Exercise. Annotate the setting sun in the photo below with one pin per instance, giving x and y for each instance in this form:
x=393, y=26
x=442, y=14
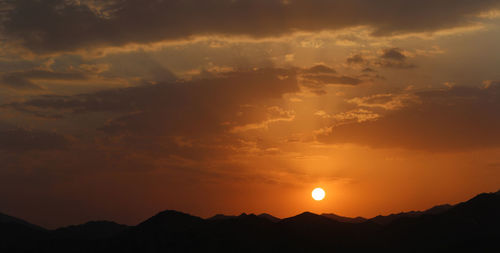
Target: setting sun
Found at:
x=318, y=194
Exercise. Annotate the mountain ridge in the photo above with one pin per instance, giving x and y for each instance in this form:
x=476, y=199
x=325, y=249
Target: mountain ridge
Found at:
x=471, y=225
x=4, y=218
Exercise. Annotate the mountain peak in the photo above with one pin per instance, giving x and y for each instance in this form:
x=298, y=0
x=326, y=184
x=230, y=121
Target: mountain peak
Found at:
x=221, y=217
x=307, y=213
x=4, y=218
x=344, y=219
x=171, y=219
x=269, y=217
x=307, y=217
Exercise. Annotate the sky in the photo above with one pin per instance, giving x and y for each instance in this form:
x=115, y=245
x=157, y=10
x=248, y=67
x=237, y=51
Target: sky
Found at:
x=116, y=110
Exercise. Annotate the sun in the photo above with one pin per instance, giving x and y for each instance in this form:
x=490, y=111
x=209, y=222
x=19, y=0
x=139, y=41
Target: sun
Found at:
x=318, y=194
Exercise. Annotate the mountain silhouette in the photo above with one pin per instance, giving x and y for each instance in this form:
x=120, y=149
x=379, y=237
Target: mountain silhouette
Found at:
x=380, y=219
x=222, y=217
x=344, y=219
x=13, y=220
x=226, y=217
x=90, y=231
x=269, y=217
x=471, y=226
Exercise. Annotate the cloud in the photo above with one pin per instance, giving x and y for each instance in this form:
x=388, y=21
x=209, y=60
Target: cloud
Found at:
x=319, y=69
x=24, y=79
x=17, y=82
x=317, y=77
x=61, y=25
x=193, y=108
x=460, y=118
x=187, y=127
x=389, y=58
x=355, y=59
x=22, y=140
x=357, y=115
x=274, y=114
x=386, y=101
x=394, y=58
x=333, y=79
x=393, y=54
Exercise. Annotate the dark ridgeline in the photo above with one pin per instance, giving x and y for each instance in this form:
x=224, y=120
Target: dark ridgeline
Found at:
x=344, y=219
x=472, y=226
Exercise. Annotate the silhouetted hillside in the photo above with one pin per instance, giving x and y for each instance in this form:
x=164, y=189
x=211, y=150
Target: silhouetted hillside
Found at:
x=471, y=226
x=9, y=219
x=390, y=218
x=269, y=217
x=222, y=217
x=91, y=230
x=17, y=235
x=344, y=219
x=226, y=217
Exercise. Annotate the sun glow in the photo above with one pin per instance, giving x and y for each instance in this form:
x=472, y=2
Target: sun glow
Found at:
x=318, y=194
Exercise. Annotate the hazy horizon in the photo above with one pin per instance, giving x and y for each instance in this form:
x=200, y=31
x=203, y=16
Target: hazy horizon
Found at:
x=218, y=215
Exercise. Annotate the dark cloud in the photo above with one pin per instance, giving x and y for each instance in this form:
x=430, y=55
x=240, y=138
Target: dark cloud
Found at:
x=355, y=59
x=139, y=64
x=191, y=107
x=18, y=82
x=60, y=25
x=394, y=58
x=333, y=79
x=320, y=75
x=460, y=118
x=23, y=79
x=390, y=58
x=317, y=77
x=21, y=140
x=180, y=127
x=393, y=54
x=319, y=69
x=49, y=75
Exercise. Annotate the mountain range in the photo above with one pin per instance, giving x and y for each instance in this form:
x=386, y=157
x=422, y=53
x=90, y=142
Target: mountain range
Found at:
x=472, y=226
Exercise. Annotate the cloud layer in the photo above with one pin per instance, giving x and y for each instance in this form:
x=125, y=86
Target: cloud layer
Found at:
x=60, y=25
x=22, y=140
x=460, y=118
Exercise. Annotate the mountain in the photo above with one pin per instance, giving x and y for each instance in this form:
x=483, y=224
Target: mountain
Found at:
x=168, y=222
x=380, y=219
x=438, y=209
x=344, y=219
x=90, y=231
x=383, y=220
x=269, y=217
x=470, y=226
x=9, y=219
x=14, y=233
x=309, y=219
x=227, y=217
x=222, y=217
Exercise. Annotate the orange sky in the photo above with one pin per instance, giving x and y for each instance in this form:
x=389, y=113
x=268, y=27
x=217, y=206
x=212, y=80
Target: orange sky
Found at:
x=122, y=109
